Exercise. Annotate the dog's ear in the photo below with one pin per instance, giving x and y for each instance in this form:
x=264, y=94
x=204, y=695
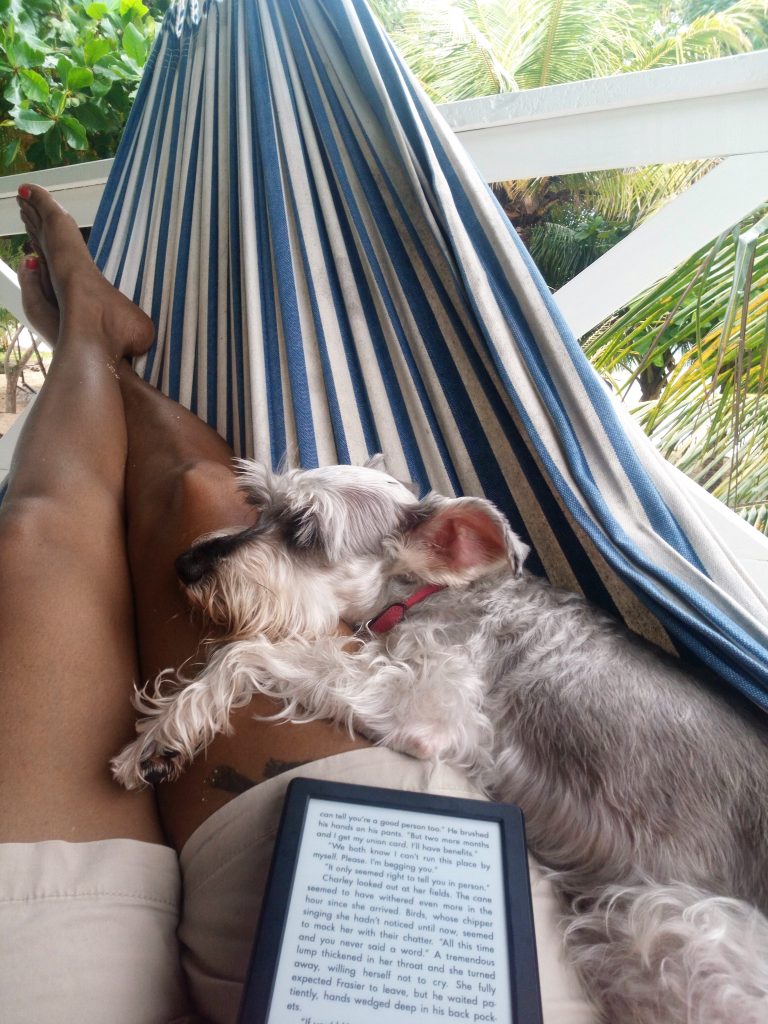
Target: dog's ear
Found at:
x=255, y=482
x=378, y=462
x=459, y=540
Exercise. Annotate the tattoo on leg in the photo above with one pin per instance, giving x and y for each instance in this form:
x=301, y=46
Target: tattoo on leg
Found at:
x=274, y=767
x=226, y=778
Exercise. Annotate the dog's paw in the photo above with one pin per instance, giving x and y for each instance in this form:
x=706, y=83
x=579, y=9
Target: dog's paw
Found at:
x=422, y=746
x=141, y=764
x=158, y=768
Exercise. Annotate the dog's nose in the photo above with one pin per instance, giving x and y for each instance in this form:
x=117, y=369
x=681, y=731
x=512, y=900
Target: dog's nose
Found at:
x=199, y=560
x=193, y=565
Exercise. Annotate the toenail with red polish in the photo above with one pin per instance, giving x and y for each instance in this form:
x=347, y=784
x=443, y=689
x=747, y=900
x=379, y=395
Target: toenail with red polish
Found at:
x=25, y=191
x=31, y=263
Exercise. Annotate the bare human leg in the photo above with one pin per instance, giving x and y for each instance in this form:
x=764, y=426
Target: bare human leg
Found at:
x=180, y=485
x=66, y=616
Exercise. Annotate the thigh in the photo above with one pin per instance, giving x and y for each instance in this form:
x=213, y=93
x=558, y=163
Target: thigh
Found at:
x=201, y=497
x=68, y=667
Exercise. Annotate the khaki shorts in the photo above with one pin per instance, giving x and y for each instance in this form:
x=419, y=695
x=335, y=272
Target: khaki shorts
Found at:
x=99, y=933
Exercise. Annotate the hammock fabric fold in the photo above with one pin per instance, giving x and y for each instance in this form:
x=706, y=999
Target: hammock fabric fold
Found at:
x=330, y=277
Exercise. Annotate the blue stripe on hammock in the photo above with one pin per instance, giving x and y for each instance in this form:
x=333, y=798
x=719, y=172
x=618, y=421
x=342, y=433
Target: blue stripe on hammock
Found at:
x=150, y=179
x=181, y=280
x=163, y=94
x=125, y=149
x=160, y=275
x=277, y=241
x=236, y=345
x=211, y=327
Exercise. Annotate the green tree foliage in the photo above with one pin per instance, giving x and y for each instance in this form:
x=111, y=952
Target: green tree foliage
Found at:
x=460, y=49
x=68, y=73
x=697, y=343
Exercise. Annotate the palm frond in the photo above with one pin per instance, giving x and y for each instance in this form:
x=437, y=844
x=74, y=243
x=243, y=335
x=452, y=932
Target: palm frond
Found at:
x=633, y=194
x=739, y=28
x=447, y=49
x=571, y=40
x=570, y=220
x=707, y=325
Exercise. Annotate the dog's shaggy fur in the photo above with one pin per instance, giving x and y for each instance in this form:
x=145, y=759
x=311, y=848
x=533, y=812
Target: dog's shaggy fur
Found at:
x=644, y=791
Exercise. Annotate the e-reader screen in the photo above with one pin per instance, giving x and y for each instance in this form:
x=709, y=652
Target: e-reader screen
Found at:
x=394, y=916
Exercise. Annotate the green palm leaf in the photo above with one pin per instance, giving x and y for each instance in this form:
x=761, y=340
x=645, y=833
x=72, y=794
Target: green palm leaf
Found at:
x=706, y=326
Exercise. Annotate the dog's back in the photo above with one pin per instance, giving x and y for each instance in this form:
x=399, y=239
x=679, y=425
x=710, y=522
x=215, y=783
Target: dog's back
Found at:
x=645, y=791
x=657, y=770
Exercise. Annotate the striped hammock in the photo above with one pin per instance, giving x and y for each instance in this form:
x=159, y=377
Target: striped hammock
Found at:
x=330, y=278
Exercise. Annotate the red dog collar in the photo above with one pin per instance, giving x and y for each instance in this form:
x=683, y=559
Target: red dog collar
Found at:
x=395, y=614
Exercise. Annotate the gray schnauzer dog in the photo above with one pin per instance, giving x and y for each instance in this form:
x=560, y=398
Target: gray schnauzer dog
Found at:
x=644, y=791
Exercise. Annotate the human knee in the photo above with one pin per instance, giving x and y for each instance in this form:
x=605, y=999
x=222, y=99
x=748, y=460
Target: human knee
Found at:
x=26, y=524
x=203, y=479
x=198, y=485
x=197, y=495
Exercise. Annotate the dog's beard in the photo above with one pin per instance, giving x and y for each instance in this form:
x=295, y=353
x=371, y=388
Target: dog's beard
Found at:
x=264, y=590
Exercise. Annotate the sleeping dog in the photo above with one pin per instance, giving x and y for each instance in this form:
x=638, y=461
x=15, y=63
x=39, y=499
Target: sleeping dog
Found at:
x=643, y=790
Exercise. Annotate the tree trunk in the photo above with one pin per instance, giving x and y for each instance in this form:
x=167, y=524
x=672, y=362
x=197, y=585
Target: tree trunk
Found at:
x=13, y=371
x=653, y=378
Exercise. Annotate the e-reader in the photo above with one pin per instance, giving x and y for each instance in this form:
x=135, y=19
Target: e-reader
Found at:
x=390, y=907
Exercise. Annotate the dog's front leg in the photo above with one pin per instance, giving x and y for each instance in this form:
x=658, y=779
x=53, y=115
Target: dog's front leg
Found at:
x=430, y=708
x=178, y=725
x=423, y=701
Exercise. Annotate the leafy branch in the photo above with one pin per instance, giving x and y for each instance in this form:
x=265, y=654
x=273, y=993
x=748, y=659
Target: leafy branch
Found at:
x=68, y=75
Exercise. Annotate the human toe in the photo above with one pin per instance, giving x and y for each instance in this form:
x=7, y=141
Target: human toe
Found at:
x=41, y=314
x=38, y=200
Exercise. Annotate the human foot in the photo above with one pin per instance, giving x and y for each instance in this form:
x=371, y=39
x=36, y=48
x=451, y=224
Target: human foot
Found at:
x=89, y=306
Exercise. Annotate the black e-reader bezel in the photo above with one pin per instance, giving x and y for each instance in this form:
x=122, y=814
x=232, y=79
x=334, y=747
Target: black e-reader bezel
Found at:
x=523, y=964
